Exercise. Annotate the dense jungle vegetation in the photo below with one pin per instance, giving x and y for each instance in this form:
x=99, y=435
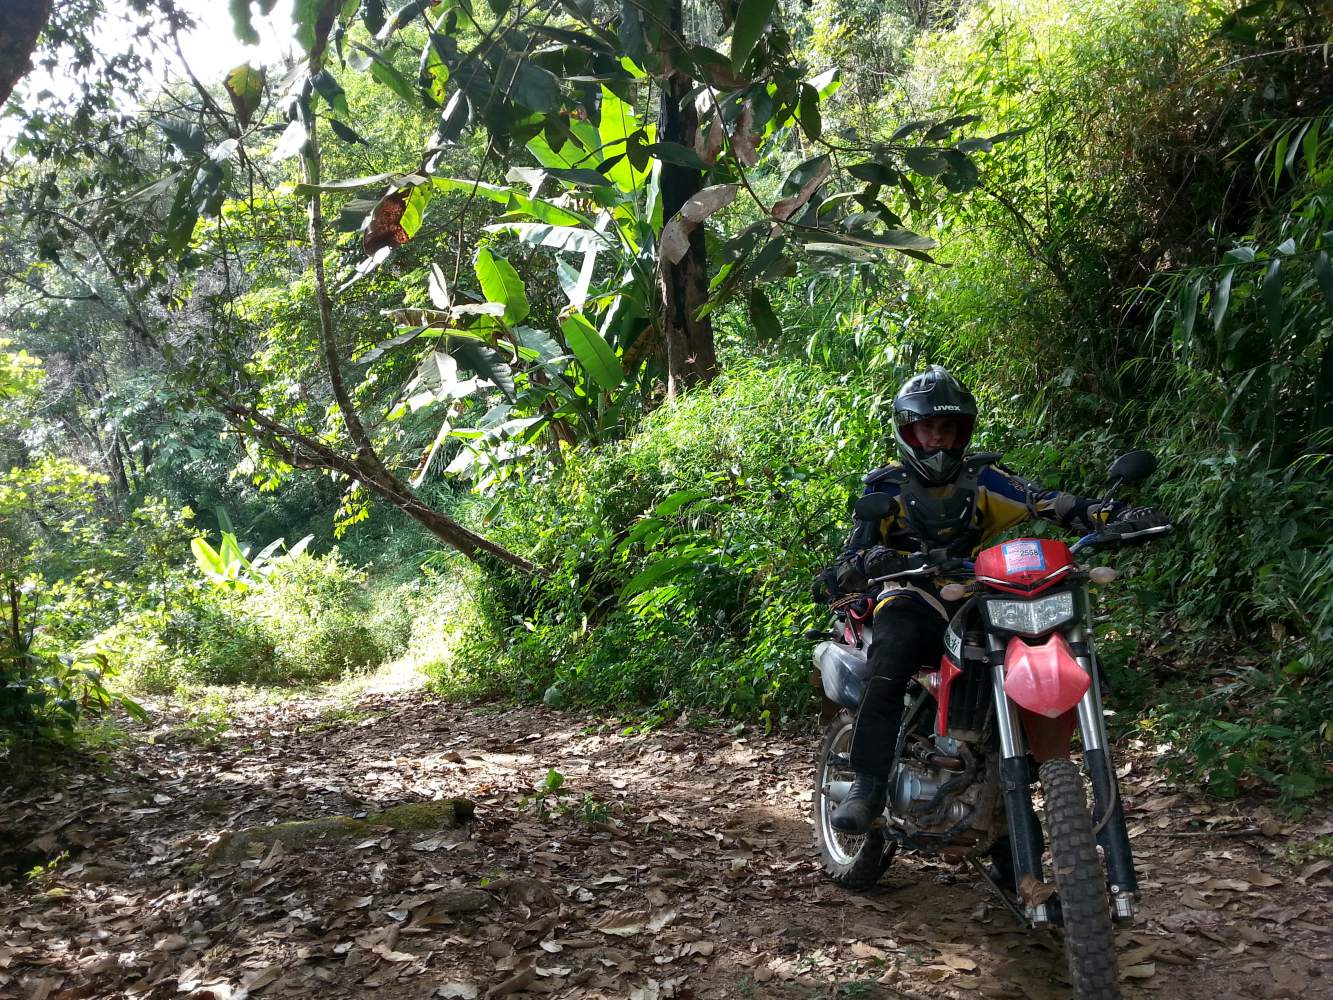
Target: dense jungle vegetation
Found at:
x=542, y=346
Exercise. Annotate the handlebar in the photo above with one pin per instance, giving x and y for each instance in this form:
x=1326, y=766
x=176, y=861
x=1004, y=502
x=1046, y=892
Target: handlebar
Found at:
x=931, y=568
x=1109, y=536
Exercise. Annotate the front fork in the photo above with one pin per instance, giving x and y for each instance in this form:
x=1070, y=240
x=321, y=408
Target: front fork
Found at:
x=1016, y=780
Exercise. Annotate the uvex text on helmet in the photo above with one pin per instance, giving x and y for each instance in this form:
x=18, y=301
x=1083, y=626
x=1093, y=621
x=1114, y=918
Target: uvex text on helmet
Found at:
x=933, y=393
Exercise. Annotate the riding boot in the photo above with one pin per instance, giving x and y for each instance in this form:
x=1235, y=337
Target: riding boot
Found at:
x=863, y=804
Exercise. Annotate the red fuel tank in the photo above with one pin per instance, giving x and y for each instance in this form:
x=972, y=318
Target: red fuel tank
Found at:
x=1025, y=565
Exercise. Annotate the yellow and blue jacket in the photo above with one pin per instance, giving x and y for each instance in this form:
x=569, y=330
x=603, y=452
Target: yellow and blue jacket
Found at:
x=984, y=500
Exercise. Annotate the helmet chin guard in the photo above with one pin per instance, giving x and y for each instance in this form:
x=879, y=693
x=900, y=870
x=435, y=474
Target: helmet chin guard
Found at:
x=933, y=393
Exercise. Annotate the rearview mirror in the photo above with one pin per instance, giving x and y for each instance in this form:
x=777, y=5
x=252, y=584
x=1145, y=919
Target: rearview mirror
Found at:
x=875, y=506
x=1133, y=466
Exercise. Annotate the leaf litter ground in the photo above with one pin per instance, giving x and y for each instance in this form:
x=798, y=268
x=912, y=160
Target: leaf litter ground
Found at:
x=675, y=863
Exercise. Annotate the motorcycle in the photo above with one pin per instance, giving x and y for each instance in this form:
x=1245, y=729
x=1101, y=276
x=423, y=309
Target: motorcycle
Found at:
x=1018, y=676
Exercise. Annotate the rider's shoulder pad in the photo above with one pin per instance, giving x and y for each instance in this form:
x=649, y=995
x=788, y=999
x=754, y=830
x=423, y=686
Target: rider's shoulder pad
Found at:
x=981, y=460
x=886, y=475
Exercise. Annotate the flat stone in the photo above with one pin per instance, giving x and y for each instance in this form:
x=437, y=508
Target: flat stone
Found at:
x=238, y=845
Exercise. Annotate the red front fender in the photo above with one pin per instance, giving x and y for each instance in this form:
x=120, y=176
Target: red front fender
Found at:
x=1046, y=683
x=1045, y=678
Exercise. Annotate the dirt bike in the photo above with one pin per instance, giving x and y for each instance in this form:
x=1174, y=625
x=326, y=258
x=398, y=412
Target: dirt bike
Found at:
x=1019, y=675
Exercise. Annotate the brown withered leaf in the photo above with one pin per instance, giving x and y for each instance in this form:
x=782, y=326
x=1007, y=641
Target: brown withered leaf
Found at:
x=1034, y=891
x=622, y=923
x=516, y=983
x=1261, y=878
x=386, y=228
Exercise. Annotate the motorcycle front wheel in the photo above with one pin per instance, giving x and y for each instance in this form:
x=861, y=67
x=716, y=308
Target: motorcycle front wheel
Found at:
x=1088, y=932
x=853, y=862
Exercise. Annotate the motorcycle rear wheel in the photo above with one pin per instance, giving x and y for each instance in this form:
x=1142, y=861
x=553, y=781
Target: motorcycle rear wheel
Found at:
x=1088, y=932
x=853, y=862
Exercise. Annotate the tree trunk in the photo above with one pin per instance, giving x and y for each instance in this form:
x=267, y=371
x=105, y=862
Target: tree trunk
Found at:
x=367, y=467
x=691, y=356
x=21, y=21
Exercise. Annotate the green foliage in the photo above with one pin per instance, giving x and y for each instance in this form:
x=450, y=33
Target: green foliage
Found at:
x=318, y=614
x=683, y=555
x=307, y=619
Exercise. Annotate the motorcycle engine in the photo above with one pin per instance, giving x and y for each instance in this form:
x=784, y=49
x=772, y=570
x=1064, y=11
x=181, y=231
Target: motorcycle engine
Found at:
x=938, y=793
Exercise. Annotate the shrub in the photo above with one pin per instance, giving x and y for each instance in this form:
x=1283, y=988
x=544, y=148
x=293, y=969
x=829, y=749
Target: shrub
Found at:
x=318, y=615
x=681, y=557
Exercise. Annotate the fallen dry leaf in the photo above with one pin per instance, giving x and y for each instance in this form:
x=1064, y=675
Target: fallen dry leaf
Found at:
x=1261, y=878
x=622, y=923
x=960, y=962
x=1033, y=891
x=516, y=983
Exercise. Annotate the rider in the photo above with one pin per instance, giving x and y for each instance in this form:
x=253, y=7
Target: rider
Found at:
x=949, y=504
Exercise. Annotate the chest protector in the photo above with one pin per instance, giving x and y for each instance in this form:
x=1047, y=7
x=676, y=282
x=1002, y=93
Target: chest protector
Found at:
x=946, y=522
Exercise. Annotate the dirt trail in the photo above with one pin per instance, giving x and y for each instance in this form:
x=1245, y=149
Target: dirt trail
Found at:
x=671, y=864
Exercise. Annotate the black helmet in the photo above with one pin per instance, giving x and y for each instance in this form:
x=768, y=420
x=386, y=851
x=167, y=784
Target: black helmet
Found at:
x=933, y=393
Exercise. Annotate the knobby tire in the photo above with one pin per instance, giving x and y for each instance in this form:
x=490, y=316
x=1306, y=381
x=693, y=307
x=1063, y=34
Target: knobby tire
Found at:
x=862, y=871
x=1081, y=885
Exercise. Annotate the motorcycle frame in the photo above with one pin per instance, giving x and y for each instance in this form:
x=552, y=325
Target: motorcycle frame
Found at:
x=1016, y=776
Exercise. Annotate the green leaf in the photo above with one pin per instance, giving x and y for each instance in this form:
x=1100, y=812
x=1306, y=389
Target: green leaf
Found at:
x=210, y=562
x=485, y=361
x=245, y=87
x=188, y=139
x=1279, y=158
x=400, y=17
x=346, y=133
x=540, y=343
x=311, y=22
x=385, y=346
x=501, y=283
x=674, y=152
x=950, y=125
x=927, y=162
x=659, y=571
x=530, y=85
x=292, y=141
x=1272, y=296
x=618, y=123
x=913, y=126
x=593, y=352
x=182, y=216
x=388, y=75
x=874, y=173
x=327, y=86
x=811, y=122
x=1323, y=274
x=241, y=23
x=556, y=237
x=1189, y=307
x=826, y=84
x=678, y=500
x=372, y=15
x=1222, y=298
x=491, y=192
x=751, y=18
x=767, y=326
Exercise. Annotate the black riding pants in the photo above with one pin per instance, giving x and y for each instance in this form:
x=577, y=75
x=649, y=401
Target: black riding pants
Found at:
x=906, y=634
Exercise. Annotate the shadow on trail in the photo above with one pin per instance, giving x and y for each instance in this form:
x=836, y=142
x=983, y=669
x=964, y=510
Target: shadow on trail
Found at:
x=674, y=863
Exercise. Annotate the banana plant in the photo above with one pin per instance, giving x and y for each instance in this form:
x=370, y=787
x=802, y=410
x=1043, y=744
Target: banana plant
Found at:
x=231, y=567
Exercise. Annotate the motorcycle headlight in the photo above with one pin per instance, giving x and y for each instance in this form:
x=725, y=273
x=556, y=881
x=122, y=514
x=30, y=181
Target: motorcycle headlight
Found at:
x=1031, y=617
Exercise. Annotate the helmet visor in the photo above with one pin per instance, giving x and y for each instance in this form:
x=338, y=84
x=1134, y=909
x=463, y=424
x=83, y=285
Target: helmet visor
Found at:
x=946, y=433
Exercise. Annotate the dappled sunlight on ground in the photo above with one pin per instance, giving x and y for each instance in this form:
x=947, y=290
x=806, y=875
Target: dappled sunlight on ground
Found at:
x=601, y=863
